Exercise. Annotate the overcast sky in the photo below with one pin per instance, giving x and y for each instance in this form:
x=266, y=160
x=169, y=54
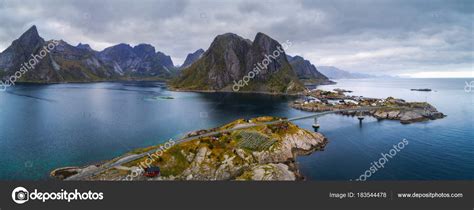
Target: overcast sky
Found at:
x=406, y=38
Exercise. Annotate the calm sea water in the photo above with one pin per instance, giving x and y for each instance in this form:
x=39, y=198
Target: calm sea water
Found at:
x=43, y=127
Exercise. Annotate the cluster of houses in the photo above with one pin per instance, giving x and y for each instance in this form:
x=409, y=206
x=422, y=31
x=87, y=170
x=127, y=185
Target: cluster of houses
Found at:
x=338, y=98
x=311, y=99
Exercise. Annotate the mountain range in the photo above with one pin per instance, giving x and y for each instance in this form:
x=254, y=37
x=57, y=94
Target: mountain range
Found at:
x=227, y=61
x=67, y=63
x=307, y=72
x=138, y=61
x=230, y=58
x=336, y=73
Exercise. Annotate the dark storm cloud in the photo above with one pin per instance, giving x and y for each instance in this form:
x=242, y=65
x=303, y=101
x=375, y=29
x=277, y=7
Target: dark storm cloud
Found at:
x=389, y=37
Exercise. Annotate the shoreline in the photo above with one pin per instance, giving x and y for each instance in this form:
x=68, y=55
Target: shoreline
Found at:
x=249, y=92
x=237, y=92
x=278, y=162
x=286, y=165
x=169, y=87
x=86, y=82
x=389, y=108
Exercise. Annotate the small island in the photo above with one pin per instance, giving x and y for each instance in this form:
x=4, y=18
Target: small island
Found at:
x=166, y=97
x=263, y=148
x=342, y=90
x=421, y=89
x=389, y=108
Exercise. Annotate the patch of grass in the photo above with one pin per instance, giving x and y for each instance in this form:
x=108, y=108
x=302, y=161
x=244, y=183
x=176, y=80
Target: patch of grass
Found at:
x=255, y=141
x=173, y=162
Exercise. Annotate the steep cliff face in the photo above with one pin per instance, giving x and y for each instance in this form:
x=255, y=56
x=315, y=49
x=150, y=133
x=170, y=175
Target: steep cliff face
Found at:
x=66, y=63
x=258, y=66
x=138, y=61
x=191, y=58
x=51, y=61
x=307, y=72
x=230, y=58
x=20, y=50
x=221, y=64
x=57, y=61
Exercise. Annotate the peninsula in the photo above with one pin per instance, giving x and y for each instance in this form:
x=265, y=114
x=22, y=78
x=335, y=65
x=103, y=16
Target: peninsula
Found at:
x=389, y=108
x=262, y=148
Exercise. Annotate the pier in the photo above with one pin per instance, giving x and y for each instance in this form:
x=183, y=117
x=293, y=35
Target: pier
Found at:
x=316, y=125
x=360, y=116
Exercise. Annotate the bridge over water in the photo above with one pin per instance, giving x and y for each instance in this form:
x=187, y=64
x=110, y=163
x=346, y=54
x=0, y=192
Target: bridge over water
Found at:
x=131, y=158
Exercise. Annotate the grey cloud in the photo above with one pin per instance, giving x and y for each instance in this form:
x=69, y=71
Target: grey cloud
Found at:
x=367, y=36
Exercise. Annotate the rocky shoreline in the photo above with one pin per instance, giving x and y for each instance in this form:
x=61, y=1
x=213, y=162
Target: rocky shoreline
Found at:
x=266, y=151
x=240, y=92
x=389, y=108
x=263, y=148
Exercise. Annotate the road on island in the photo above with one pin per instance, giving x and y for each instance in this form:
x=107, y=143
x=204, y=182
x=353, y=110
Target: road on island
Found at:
x=130, y=158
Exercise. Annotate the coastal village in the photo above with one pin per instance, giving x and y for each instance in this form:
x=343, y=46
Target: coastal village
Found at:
x=389, y=108
x=263, y=148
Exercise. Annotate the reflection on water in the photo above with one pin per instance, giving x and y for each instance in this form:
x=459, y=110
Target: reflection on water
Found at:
x=43, y=127
x=437, y=150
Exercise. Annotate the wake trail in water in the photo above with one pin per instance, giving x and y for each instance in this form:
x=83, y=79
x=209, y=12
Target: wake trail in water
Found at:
x=30, y=96
x=113, y=89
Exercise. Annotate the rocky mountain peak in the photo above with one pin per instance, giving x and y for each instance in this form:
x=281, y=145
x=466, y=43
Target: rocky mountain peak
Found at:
x=29, y=41
x=164, y=59
x=261, y=37
x=122, y=46
x=30, y=34
x=228, y=40
x=118, y=52
x=231, y=57
x=307, y=72
x=227, y=36
x=265, y=43
x=197, y=52
x=143, y=50
x=192, y=57
x=20, y=49
x=81, y=63
x=84, y=47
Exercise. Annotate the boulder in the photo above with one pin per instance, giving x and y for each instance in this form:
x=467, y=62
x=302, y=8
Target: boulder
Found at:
x=411, y=116
x=393, y=114
x=269, y=172
x=380, y=114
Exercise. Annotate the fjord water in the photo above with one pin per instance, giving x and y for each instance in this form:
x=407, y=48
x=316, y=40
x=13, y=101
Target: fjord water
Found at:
x=437, y=150
x=43, y=127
